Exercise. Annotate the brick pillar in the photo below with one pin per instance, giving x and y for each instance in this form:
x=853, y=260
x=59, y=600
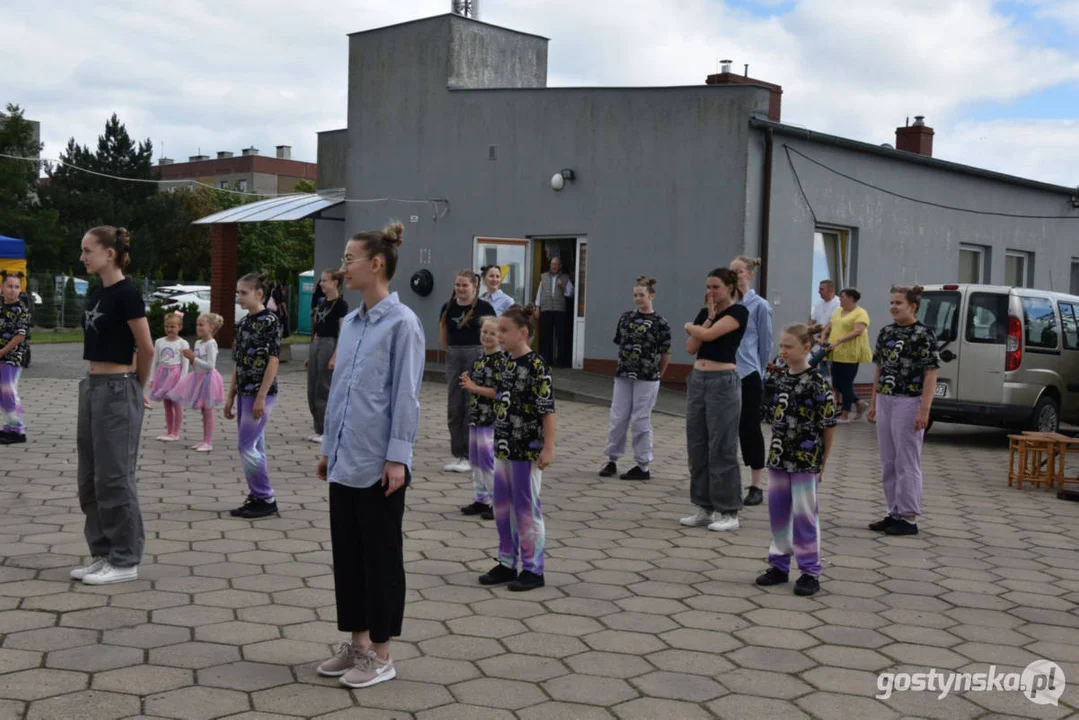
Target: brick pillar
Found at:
x=224, y=242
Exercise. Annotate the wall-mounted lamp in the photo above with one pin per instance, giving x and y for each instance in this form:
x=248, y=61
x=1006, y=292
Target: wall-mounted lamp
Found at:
x=558, y=180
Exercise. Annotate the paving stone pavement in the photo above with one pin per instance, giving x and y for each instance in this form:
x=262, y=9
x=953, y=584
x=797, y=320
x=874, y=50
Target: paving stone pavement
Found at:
x=641, y=618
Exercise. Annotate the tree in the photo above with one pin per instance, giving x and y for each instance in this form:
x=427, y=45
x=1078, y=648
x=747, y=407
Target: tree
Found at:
x=72, y=313
x=45, y=315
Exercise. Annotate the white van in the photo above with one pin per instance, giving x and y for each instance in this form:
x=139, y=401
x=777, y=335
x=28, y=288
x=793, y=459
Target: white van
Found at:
x=1009, y=356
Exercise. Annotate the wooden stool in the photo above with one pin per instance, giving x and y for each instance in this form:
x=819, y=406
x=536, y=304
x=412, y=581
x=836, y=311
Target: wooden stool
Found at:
x=1062, y=447
x=1027, y=453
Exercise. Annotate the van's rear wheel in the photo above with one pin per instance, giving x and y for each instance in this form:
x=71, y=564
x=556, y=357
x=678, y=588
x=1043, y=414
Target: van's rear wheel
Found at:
x=1046, y=415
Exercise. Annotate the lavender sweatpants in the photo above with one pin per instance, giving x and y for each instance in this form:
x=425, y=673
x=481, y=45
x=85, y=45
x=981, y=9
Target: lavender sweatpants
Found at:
x=518, y=515
x=792, y=512
x=631, y=408
x=900, y=453
x=252, y=446
x=481, y=456
x=10, y=407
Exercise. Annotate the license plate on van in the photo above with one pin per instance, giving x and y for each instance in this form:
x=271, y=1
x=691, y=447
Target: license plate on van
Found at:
x=941, y=390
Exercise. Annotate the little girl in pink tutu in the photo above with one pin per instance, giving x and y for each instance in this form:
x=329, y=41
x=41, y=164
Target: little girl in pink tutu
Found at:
x=168, y=369
x=202, y=389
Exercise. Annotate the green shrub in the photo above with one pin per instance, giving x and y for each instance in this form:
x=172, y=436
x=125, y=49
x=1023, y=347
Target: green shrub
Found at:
x=45, y=314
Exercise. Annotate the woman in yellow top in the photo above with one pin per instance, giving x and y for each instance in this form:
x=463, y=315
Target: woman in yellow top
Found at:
x=848, y=344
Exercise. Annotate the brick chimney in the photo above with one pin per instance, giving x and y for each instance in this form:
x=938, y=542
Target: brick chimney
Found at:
x=726, y=77
x=916, y=138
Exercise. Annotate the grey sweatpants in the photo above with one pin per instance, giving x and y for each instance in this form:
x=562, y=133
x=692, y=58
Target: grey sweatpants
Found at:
x=319, y=376
x=459, y=359
x=713, y=406
x=109, y=427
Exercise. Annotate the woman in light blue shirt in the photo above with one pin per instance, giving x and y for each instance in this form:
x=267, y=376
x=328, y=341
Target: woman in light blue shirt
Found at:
x=492, y=280
x=372, y=419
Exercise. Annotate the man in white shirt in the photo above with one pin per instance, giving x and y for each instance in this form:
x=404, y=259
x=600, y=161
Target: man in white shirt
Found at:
x=821, y=315
x=555, y=287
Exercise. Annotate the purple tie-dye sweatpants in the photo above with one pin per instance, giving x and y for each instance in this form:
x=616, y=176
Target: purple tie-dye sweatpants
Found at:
x=10, y=407
x=252, y=446
x=518, y=515
x=792, y=511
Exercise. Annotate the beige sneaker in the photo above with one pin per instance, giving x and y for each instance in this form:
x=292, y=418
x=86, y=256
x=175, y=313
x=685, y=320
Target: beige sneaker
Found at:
x=342, y=662
x=368, y=671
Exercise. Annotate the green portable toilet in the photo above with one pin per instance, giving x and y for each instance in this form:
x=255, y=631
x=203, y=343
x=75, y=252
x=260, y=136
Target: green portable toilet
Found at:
x=307, y=291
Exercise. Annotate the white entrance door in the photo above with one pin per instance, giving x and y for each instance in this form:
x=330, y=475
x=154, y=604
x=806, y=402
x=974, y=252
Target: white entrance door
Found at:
x=578, y=306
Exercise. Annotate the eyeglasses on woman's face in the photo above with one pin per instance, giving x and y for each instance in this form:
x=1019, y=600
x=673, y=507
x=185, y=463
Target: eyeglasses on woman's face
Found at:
x=348, y=260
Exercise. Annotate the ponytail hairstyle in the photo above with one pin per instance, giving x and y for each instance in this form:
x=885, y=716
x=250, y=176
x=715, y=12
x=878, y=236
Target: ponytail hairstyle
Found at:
x=384, y=244
x=337, y=276
x=913, y=295
x=800, y=331
x=475, y=280
x=523, y=317
x=752, y=264
x=729, y=278
x=116, y=239
x=215, y=320
x=648, y=284
x=259, y=282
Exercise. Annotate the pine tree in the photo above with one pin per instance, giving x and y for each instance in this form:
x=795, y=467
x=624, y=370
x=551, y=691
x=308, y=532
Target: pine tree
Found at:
x=45, y=315
x=72, y=312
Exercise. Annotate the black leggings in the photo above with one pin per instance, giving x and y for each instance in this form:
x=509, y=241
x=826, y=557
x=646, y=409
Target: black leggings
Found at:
x=368, y=559
x=843, y=375
x=750, y=435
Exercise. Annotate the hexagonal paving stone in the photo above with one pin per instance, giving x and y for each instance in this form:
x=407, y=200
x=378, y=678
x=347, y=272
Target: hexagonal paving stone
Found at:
x=232, y=599
x=142, y=680
x=494, y=692
x=12, y=660
x=848, y=657
x=620, y=641
x=322, y=632
x=836, y=705
x=530, y=668
x=245, y=676
x=85, y=705
x=461, y=647
x=53, y=638
x=613, y=665
x=679, y=686
x=405, y=695
x=40, y=683
x=147, y=636
x=150, y=600
x=194, y=655
x=776, y=638
x=690, y=661
x=106, y=618
x=276, y=614
x=286, y=652
x=304, y=701
x=764, y=684
x=652, y=708
x=545, y=644
x=776, y=659
x=13, y=621
x=460, y=711
x=196, y=703
x=93, y=658
x=738, y=707
x=590, y=690
x=236, y=633
x=842, y=680
x=564, y=711
x=700, y=640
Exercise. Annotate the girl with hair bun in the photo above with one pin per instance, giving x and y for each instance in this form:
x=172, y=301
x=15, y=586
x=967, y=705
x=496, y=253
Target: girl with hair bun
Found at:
x=372, y=421
x=203, y=389
x=322, y=359
x=254, y=382
x=111, y=408
x=643, y=338
x=906, y=377
x=14, y=327
x=168, y=371
x=524, y=447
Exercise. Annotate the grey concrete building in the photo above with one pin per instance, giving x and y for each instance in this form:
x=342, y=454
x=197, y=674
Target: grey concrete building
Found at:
x=662, y=181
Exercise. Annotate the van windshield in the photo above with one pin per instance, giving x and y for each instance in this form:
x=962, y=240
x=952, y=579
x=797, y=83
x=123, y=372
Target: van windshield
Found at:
x=939, y=311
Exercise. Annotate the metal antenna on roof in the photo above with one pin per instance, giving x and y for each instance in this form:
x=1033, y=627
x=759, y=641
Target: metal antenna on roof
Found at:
x=466, y=8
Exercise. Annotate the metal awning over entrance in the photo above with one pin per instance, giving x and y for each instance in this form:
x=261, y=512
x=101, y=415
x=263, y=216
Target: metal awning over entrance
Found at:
x=278, y=209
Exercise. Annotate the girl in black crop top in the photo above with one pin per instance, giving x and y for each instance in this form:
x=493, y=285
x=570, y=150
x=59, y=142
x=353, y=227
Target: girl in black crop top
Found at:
x=718, y=328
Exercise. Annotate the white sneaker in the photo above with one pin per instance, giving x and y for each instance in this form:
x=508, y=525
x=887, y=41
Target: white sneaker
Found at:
x=108, y=575
x=724, y=524
x=702, y=518
x=80, y=573
x=316, y=439
x=460, y=465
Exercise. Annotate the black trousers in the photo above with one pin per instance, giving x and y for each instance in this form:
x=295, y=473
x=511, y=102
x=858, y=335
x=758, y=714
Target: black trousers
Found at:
x=553, y=337
x=750, y=435
x=368, y=559
x=843, y=375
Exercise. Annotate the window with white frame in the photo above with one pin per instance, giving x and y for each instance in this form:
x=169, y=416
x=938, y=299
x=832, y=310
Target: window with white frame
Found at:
x=973, y=264
x=243, y=184
x=223, y=184
x=831, y=260
x=1018, y=268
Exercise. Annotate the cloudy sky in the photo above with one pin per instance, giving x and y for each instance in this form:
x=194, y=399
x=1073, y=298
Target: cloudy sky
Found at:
x=998, y=80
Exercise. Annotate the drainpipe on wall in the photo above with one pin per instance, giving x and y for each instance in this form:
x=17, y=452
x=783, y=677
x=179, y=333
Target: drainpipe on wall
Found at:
x=766, y=210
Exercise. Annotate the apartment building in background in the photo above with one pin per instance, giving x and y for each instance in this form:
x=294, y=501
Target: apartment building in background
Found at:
x=248, y=171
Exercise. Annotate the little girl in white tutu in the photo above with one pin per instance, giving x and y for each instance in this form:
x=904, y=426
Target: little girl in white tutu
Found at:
x=169, y=367
x=202, y=389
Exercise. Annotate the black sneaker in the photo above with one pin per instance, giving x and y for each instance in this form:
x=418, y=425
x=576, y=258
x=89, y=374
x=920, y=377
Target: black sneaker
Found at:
x=258, y=509
x=806, y=585
x=754, y=496
x=608, y=470
x=474, y=509
x=498, y=575
x=901, y=527
x=882, y=525
x=526, y=581
x=488, y=514
x=772, y=576
x=636, y=474
x=237, y=512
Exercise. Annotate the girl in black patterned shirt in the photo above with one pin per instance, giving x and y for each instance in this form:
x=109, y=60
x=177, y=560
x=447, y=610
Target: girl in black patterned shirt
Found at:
x=480, y=383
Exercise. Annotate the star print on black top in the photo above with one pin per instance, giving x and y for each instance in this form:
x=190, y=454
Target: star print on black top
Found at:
x=481, y=412
x=257, y=340
x=14, y=320
x=107, y=337
x=643, y=339
x=905, y=354
x=800, y=407
x=525, y=395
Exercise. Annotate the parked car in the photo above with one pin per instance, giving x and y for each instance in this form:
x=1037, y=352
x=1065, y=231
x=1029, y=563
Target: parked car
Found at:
x=1009, y=356
x=184, y=294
